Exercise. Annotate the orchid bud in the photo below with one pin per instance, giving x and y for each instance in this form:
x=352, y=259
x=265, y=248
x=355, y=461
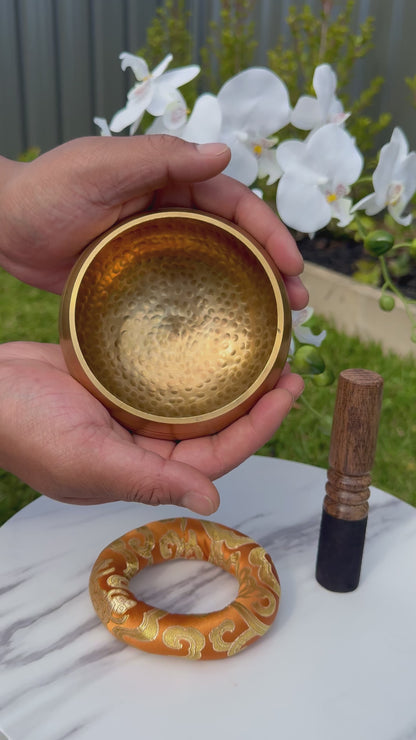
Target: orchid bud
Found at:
x=308, y=361
x=378, y=242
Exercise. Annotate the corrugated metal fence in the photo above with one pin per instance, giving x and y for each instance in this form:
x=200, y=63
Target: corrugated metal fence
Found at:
x=59, y=60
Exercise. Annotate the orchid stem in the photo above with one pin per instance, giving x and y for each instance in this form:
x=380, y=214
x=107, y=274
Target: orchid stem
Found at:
x=407, y=302
x=309, y=407
x=402, y=244
x=365, y=178
x=360, y=227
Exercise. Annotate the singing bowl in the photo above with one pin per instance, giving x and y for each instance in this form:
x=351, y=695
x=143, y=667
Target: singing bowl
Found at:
x=177, y=321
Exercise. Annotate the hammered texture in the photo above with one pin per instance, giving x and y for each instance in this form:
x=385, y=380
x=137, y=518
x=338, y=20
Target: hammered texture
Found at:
x=176, y=319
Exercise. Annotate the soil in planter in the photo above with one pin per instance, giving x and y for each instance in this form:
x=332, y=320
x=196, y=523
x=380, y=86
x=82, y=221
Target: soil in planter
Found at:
x=342, y=255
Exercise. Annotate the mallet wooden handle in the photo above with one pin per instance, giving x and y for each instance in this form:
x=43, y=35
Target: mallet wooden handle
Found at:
x=351, y=457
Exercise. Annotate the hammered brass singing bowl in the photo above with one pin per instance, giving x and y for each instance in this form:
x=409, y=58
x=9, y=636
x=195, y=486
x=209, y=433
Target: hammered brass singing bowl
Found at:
x=177, y=321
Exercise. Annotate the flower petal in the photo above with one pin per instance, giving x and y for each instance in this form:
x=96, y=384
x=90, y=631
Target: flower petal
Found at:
x=128, y=115
x=341, y=210
x=103, y=126
x=175, y=115
x=268, y=166
x=159, y=70
x=396, y=213
x=304, y=335
x=383, y=174
x=370, y=204
x=161, y=97
x=300, y=204
x=302, y=316
x=332, y=151
x=324, y=83
x=137, y=64
x=181, y=75
x=307, y=113
x=257, y=192
x=204, y=123
x=134, y=126
x=400, y=140
x=255, y=101
x=290, y=153
x=336, y=112
x=158, y=127
x=243, y=165
x=406, y=174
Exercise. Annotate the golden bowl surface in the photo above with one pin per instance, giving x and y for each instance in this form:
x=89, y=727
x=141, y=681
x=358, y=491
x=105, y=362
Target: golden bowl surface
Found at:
x=177, y=321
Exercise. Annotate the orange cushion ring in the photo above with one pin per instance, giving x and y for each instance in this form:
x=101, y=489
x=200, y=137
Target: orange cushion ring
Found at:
x=217, y=634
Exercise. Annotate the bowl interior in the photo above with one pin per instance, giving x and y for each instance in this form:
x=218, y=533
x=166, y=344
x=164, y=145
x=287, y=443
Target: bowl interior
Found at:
x=176, y=317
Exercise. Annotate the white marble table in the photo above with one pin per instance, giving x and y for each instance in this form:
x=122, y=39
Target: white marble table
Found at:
x=332, y=667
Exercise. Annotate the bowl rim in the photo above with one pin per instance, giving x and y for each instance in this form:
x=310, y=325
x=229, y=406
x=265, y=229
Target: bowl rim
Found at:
x=73, y=353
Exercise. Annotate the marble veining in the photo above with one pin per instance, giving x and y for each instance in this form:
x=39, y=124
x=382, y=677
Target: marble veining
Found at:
x=333, y=666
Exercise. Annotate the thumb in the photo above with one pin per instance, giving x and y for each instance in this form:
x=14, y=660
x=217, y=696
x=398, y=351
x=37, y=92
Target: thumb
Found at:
x=126, y=168
x=125, y=472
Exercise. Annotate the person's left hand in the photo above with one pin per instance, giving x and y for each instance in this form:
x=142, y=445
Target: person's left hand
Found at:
x=59, y=439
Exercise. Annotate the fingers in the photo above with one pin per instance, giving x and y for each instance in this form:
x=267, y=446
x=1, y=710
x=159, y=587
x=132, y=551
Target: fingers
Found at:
x=298, y=294
x=232, y=200
x=120, y=169
x=8, y=168
x=130, y=172
x=61, y=441
x=222, y=452
x=125, y=472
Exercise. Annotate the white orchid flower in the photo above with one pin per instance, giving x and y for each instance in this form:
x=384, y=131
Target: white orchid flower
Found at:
x=176, y=112
x=312, y=113
x=103, y=126
x=254, y=105
x=204, y=123
x=317, y=177
x=173, y=119
x=154, y=91
x=394, y=180
x=302, y=333
x=202, y=127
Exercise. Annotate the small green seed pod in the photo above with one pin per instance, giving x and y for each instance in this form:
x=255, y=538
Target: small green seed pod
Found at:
x=387, y=302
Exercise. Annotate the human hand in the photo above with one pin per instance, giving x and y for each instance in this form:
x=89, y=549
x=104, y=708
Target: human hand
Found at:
x=51, y=208
x=59, y=439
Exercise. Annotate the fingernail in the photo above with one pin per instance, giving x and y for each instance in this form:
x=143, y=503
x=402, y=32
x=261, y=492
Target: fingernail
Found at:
x=212, y=150
x=199, y=504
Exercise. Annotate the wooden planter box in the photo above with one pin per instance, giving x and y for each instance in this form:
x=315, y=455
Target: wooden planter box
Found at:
x=353, y=308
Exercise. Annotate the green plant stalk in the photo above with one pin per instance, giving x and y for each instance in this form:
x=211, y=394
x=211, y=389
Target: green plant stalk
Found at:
x=324, y=37
x=388, y=282
x=407, y=302
x=310, y=408
x=361, y=229
x=400, y=245
x=231, y=44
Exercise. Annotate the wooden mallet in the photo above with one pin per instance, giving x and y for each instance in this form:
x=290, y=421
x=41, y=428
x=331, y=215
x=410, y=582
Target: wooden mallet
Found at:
x=351, y=457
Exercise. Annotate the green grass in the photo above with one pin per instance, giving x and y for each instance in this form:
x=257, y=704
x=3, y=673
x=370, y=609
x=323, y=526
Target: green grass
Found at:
x=305, y=438
x=30, y=314
x=25, y=314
